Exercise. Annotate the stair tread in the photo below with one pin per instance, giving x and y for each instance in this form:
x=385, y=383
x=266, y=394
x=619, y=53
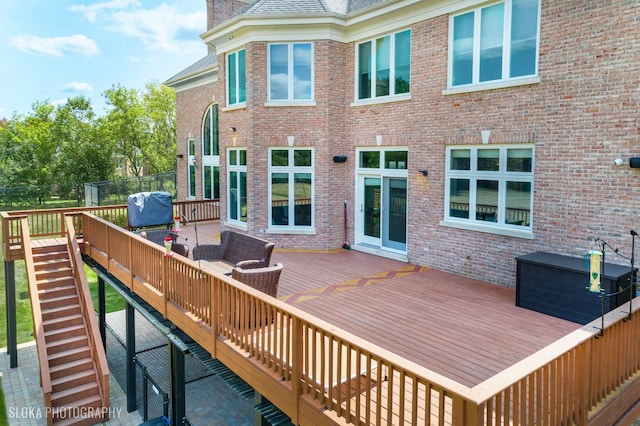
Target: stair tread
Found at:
x=67, y=340
x=77, y=390
x=70, y=365
x=64, y=330
x=62, y=320
x=72, y=351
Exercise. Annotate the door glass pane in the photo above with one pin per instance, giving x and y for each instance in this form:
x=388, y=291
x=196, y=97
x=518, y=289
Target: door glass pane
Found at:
x=397, y=210
x=462, y=66
x=487, y=200
x=243, y=196
x=518, y=203
x=233, y=157
x=279, y=198
x=491, y=32
x=488, y=160
x=279, y=78
x=302, y=202
x=524, y=37
x=372, y=207
x=233, y=195
x=364, y=71
x=459, y=198
x=383, y=66
x=242, y=161
x=302, y=71
x=402, y=62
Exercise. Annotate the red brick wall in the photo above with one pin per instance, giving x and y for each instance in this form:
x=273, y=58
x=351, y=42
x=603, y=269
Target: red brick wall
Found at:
x=582, y=115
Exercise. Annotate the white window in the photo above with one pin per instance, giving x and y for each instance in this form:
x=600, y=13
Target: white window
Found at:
x=236, y=78
x=191, y=177
x=291, y=187
x=384, y=66
x=498, y=42
x=210, y=154
x=290, y=70
x=490, y=185
x=237, y=185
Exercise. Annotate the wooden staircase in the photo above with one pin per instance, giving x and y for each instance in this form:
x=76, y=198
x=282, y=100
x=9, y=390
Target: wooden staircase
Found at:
x=78, y=390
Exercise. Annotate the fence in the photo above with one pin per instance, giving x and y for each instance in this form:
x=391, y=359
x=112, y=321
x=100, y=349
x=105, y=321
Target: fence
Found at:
x=116, y=191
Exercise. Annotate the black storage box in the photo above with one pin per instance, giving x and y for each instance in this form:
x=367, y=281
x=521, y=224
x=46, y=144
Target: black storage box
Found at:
x=558, y=285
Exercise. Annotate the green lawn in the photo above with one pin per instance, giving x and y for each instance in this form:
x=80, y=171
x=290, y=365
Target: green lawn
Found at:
x=24, y=321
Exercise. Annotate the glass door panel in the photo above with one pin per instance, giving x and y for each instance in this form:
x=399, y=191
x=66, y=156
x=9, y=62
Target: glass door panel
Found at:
x=371, y=208
x=394, y=219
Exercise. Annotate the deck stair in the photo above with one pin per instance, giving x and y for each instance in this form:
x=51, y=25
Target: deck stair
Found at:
x=76, y=396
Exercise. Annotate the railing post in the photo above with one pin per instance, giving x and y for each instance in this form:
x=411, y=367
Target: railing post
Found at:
x=10, y=300
x=130, y=338
x=297, y=342
x=102, y=318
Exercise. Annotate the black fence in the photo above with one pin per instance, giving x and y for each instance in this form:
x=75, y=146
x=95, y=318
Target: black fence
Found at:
x=112, y=192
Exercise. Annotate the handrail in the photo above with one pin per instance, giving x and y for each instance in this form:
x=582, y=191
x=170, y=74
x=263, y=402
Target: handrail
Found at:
x=38, y=326
x=50, y=222
x=86, y=305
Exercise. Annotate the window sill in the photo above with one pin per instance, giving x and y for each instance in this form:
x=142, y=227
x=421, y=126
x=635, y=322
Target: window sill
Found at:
x=489, y=229
x=236, y=225
x=291, y=231
x=382, y=100
x=290, y=104
x=491, y=86
x=241, y=105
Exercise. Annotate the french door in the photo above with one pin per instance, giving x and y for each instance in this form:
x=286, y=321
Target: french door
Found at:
x=382, y=214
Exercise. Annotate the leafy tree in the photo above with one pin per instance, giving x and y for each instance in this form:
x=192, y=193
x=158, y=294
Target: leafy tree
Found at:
x=142, y=126
x=82, y=155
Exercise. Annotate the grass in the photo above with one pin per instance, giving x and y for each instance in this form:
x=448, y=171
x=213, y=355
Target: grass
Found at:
x=24, y=321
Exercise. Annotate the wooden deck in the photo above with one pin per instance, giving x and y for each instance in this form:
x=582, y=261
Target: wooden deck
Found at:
x=464, y=329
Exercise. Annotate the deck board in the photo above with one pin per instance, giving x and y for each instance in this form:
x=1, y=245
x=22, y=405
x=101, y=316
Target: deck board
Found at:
x=464, y=329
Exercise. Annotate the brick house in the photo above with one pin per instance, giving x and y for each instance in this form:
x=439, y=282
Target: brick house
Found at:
x=455, y=134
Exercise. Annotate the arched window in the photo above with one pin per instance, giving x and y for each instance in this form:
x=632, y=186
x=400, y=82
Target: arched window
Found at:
x=210, y=154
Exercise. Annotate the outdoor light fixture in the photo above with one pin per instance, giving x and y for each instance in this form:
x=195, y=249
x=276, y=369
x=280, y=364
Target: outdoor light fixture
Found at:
x=194, y=161
x=233, y=128
x=339, y=158
x=618, y=161
x=179, y=155
x=424, y=172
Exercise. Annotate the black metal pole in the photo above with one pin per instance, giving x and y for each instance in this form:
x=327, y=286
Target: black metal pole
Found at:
x=130, y=338
x=10, y=300
x=632, y=276
x=602, y=292
x=102, y=316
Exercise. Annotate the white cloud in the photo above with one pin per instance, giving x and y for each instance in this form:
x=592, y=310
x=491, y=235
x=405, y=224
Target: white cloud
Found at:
x=76, y=86
x=91, y=12
x=55, y=46
x=160, y=28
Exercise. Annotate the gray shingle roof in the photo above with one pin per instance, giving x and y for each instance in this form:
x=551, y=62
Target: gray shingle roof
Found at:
x=202, y=64
x=342, y=7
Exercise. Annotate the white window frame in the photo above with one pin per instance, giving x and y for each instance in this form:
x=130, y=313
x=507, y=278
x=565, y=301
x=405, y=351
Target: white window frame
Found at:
x=505, y=81
x=191, y=168
x=392, y=96
x=237, y=76
x=238, y=168
x=292, y=170
x=290, y=77
x=502, y=176
x=211, y=161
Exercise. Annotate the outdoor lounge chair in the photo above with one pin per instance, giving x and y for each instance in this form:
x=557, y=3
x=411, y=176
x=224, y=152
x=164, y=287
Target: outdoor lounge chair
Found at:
x=253, y=274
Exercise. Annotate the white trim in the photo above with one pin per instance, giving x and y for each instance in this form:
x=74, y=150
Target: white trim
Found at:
x=381, y=100
x=492, y=85
x=294, y=103
x=237, y=225
x=498, y=230
x=241, y=105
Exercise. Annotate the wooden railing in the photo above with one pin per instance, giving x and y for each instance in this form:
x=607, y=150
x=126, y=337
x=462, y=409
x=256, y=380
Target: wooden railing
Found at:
x=303, y=364
x=38, y=326
x=51, y=223
x=86, y=304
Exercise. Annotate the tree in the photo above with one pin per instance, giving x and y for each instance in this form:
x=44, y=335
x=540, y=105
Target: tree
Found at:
x=82, y=155
x=142, y=127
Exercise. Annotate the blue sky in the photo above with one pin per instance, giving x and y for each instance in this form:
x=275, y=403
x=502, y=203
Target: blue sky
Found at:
x=51, y=50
